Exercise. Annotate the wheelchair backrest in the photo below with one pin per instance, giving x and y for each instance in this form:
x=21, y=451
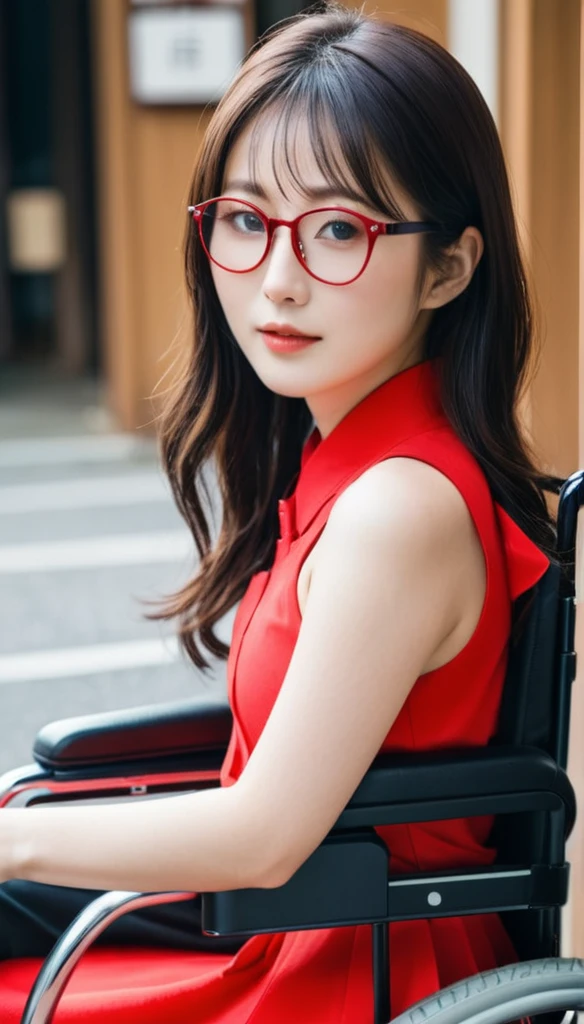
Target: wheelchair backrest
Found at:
x=529, y=706
x=535, y=710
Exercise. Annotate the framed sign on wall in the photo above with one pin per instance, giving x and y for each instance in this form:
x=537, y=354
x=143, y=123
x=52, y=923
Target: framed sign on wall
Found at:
x=184, y=54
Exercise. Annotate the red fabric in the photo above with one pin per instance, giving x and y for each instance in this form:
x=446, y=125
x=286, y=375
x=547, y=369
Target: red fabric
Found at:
x=324, y=977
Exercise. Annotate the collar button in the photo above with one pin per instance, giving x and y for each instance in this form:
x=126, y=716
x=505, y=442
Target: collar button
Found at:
x=286, y=517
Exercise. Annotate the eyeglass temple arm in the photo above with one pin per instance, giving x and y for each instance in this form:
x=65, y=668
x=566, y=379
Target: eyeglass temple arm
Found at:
x=410, y=227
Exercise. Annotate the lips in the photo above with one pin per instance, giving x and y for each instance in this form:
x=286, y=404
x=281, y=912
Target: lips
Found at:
x=287, y=331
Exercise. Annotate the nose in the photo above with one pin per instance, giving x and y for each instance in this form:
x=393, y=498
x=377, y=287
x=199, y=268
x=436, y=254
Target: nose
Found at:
x=284, y=277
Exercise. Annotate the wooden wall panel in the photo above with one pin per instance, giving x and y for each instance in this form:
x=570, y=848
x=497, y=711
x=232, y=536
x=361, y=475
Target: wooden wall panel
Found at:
x=555, y=228
x=116, y=201
x=428, y=16
x=6, y=341
x=581, y=265
x=165, y=151
x=540, y=128
x=574, y=929
x=145, y=160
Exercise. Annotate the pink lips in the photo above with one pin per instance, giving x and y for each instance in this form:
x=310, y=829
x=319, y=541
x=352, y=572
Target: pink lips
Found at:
x=286, y=343
x=285, y=329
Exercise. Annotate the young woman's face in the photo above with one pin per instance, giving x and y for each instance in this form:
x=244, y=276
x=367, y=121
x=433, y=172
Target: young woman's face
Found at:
x=368, y=330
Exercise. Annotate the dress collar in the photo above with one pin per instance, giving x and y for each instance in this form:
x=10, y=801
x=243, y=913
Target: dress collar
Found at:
x=406, y=404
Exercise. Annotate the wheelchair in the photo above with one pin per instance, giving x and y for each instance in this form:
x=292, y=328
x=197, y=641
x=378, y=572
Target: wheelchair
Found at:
x=519, y=778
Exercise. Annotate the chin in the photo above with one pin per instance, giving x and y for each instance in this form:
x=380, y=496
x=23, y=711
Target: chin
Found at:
x=284, y=380
x=284, y=388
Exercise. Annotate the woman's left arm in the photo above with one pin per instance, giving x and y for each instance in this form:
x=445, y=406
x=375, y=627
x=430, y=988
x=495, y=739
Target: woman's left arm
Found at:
x=391, y=582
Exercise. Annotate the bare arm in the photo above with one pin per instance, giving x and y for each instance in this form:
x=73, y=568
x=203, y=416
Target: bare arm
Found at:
x=396, y=576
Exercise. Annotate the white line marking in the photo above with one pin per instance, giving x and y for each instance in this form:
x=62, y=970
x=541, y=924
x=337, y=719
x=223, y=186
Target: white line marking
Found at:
x=85, y=661
x=87, y=493
x=61, y=450
x=92, y=552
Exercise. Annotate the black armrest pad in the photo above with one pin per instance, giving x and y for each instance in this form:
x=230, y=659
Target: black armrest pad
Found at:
x=153, y=732
x=397, y=788
x=406, y=787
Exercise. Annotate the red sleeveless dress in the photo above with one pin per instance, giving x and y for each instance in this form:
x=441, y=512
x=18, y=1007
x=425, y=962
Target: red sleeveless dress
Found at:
x=324, y=976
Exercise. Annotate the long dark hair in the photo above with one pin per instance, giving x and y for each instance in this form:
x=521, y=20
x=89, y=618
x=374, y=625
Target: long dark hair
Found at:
x=398, y=102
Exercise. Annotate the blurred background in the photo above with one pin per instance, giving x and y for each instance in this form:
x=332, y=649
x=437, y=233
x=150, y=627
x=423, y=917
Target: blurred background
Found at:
x=103, y=104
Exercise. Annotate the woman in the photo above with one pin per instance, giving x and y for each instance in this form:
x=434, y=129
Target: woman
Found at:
x=362, y=335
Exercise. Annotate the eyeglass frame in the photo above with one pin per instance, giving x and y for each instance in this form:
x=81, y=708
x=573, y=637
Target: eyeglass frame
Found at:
x=375, y=228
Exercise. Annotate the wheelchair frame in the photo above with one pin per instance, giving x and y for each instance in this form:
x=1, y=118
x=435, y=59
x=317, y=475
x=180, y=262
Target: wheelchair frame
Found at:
x=346, y=881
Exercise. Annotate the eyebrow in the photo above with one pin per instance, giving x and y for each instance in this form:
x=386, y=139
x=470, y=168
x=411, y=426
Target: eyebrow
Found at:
x=320, y=192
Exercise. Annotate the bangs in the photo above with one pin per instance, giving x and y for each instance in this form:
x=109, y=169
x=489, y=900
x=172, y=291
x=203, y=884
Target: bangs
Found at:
x=320, y=102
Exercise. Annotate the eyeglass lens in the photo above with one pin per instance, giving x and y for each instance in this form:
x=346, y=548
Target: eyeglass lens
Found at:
x=334, y=245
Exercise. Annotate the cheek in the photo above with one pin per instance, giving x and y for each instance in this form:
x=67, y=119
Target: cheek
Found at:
x=224, y=283
x=394, y=266
x=233, y=294
x=386, y=291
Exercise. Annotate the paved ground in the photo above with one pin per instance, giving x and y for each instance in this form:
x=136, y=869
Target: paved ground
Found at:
x=87, y=532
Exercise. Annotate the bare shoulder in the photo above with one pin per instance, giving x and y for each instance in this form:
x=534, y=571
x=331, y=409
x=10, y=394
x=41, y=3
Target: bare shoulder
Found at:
x=404, y=495
x=407, y=515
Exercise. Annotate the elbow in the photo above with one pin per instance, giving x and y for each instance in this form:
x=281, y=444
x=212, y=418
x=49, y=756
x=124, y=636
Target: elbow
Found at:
x=272, y=867
x=273, y=879
x=253, y=866
x=283, y=864
x=267, y=849
x=275, y=876
x=277, y=862
x=278, y=869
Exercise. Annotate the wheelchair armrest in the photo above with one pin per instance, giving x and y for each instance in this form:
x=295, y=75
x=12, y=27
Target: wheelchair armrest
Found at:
x=406, y=788
x=430, y=786
x=152, y=733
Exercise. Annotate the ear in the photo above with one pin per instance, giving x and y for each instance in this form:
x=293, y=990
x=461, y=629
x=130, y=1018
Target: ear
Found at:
x=460, y=262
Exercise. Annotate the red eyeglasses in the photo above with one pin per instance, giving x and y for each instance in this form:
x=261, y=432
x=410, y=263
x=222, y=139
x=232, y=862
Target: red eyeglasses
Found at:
x=332, y=243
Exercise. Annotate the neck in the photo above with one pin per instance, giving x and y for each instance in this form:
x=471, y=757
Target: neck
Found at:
x=331, y=406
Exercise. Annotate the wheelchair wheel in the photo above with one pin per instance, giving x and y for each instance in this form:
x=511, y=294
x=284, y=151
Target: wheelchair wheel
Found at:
x=505, y=994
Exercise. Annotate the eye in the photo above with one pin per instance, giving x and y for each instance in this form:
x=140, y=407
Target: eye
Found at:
x=236, y=216
x=340, y=230
x=245, y=222
x=326, y=227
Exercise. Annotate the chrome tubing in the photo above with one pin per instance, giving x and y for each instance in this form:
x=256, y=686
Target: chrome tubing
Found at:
x=81, y=933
